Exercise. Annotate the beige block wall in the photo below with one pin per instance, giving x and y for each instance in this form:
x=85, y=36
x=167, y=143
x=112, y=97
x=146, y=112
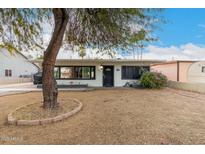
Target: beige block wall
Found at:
x=194, y=87
x=169, y=70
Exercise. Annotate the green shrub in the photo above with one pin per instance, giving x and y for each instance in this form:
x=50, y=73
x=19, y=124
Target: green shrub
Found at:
x=153, y=80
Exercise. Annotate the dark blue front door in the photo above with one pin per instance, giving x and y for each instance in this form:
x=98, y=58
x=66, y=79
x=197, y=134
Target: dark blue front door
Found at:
x=108, y=76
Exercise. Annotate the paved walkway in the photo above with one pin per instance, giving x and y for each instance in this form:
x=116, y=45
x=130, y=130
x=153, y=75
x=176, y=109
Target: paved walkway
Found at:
x=18, y=85
x=27, y=87
x=17, y=88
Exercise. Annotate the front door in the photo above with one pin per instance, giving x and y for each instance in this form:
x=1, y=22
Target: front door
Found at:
x=108, y=76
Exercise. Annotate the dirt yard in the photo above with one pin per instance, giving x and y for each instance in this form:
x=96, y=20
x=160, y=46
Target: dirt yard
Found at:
x=114, y=116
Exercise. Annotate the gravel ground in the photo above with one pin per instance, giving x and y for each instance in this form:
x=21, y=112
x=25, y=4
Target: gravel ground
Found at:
x=114, y=116
x=35, y=111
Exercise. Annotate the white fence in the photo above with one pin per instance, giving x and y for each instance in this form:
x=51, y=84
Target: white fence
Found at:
x=12, y=80
x=195, y=87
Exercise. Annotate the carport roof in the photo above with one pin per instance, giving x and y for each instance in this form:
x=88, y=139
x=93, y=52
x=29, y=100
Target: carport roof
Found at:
x=173, y=61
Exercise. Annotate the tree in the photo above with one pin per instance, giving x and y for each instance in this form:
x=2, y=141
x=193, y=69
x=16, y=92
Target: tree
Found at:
x=137, y=42
x=104, y=29
x=82, y=52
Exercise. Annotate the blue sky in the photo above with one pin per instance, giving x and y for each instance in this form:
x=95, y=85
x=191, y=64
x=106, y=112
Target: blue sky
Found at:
x=183, y=26
x=181, y=38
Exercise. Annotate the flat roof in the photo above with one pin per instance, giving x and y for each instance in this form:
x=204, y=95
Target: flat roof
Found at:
x=103, y=60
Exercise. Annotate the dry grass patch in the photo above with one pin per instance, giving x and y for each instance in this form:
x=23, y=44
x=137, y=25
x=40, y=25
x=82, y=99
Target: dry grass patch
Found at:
x=114, y=116
x=36, y=112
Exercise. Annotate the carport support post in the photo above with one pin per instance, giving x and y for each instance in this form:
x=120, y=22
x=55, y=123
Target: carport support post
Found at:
x=177, y=71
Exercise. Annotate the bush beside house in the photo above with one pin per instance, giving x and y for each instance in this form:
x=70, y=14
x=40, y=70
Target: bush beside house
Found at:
x=153, y=80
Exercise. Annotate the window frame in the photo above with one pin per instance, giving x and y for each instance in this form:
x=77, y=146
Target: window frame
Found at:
x=122, y=78
x=74, y=67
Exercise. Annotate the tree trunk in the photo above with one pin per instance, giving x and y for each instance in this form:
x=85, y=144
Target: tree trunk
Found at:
x=50, y=90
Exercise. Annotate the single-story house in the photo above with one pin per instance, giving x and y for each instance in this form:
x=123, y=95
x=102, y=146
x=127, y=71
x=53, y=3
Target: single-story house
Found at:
x=15, y=65
x=100, y=72
x=182, y=71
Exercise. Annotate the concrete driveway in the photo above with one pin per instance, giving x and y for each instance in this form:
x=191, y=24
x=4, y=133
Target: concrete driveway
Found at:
x=17, y=88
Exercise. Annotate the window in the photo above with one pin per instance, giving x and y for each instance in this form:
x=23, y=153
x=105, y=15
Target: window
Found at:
x=57, y=72
x=203, y=69
x=85, y=72
x=75, y=72
x=92, y=72
x=67, y=72
x=133, y=72
x=8, y=73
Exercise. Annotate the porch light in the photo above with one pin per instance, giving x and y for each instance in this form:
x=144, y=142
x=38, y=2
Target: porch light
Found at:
x=101, y=67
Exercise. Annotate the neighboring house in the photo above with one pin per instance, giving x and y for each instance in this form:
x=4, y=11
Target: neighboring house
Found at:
x=182, y=71
x=14, y=66
x=196, y=72
x=100, y=72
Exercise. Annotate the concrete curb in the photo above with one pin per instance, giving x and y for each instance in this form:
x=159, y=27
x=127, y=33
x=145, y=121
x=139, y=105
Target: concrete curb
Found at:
x=13, y=93
x=13, y=121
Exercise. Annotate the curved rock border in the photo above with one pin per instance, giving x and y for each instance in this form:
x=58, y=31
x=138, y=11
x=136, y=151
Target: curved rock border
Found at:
x=14, y=121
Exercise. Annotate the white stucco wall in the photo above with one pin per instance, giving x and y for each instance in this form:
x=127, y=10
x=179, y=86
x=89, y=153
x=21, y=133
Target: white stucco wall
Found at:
x=195, y=74
x=15, y=62
x=98, y=82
